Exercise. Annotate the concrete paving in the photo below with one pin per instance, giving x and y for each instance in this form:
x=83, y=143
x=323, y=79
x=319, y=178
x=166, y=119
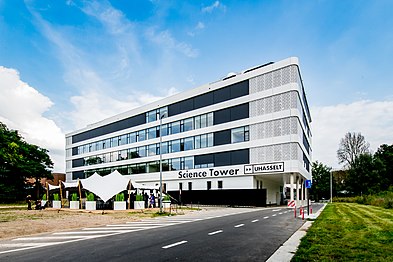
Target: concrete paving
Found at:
x=288, y=249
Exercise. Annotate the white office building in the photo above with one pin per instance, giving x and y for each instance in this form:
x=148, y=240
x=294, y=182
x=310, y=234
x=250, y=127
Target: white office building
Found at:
x=242, y=140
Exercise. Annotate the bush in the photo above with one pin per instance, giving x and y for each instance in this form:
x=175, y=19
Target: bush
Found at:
x=89, y=197
x=74, y=197
x=44, y=197
x=139, y=197
x=56, y=197
x=120, y=197
x=166, y=198
x=383, y=199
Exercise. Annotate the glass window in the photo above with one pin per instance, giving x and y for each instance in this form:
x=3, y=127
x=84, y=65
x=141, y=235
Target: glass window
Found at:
x=142, y=151
x=210, y=140
x=197, y=142
x=141, y=135
x=197, y=122
x=164, y=130
x=203, y=141
x=152, y=132
x=209, y=185
x=141, y=168
x=151, y=116
x=188, y=143
x=175, y=164
x=153, y=167
x=190, y=186
x=219, y=184
x=203, y=121
x=175, y=127
x=122, y=155
x=133, y=137
x=123, y=140
x=188, y=124
x=189, y=162
x=210, y=119
x=132, y=153
x=237, y=135
x=175, y=146
x=163, y=112
x=152, y=150
x=164, y=146
x=165, y=165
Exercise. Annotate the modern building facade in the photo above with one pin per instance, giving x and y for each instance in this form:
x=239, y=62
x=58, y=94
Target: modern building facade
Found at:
x=249, y=132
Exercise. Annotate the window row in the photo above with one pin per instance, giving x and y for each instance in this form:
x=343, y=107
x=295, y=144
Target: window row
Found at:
x=188, y=124
x=178, y=145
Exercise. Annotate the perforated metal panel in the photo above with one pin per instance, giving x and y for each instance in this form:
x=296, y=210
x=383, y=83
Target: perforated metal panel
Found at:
x=274, y=79
x=274, y=128
x=274, y=103
x=280, y=152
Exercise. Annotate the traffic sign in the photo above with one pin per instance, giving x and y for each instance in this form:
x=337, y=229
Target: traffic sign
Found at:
x=308, y=183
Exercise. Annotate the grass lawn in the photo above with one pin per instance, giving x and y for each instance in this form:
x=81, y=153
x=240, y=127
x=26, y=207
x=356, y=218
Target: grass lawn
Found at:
x=349, y=232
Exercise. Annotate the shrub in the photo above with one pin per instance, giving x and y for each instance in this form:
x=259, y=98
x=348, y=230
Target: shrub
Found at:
x=90, y=197
x=56, y=197
x=139, y=197
x=74, y=197
x=120, y=197
x=166, y=198
x=44, y=197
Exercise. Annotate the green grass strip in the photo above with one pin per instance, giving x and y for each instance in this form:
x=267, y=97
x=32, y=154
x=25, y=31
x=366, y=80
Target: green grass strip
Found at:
x=349, y=232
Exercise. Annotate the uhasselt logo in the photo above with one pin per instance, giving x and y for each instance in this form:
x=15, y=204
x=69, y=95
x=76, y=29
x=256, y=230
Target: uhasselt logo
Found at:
x=264, y=168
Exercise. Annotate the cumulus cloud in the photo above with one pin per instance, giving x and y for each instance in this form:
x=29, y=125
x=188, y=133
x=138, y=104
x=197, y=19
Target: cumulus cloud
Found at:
x=373, y=119
x=23, y=108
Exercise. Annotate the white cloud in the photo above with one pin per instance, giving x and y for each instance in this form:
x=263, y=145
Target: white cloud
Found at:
x=23, y=108
x=212, y=7
x=165, y=39
x=373, y=119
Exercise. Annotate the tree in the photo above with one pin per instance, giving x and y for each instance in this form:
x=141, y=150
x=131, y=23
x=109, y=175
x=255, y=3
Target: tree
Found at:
x=351, y=146
x=321, y=181
x=385, y=155
x=19, y=161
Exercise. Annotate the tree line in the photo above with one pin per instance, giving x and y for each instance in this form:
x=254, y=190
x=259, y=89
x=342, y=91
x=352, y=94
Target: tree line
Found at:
x=20, y=161
x=363, y=172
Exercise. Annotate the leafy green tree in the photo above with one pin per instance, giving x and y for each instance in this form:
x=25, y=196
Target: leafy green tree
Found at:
x=321, y=181
x=19, y=161
x=385, y=155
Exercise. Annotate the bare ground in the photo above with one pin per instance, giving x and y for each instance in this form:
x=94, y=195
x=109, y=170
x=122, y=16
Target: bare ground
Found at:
x=17, y=221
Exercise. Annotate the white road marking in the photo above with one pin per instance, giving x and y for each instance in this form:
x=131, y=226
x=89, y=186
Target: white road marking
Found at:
x=215, y=232
x=256, y=220
x=175, y=244
x=91, y=232
x=274, y=215
x=109, y=229
x=265, y=217
x=280, y=213
x=275, y=210
x=49, y=237
x=240, y=225
x=30, y=244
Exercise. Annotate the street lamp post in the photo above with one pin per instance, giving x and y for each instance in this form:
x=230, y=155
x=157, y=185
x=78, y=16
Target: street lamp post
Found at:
x=160, y=202
x=331, y=186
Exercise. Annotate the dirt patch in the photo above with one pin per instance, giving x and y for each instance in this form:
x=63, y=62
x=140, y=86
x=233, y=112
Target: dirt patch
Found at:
x=16, y=222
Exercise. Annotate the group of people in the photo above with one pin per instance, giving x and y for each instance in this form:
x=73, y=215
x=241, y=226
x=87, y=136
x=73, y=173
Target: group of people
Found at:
x=38, y=204
x=150, y=200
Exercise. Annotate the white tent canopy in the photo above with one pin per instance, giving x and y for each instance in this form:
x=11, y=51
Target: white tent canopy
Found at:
x=107, y=186
x=51, y=187
x=70, y=184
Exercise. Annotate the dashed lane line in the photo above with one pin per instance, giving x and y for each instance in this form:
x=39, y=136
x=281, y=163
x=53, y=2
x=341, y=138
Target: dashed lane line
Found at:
x=256, y=220
x=215, y=232
x=265, y=217
x=175, y=244
x=240, y=225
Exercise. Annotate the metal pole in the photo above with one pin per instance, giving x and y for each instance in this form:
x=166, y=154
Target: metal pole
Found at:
x=160, y=202
x=331, y=186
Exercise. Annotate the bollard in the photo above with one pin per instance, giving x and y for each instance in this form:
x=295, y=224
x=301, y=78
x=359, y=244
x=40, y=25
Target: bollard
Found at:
x=310, y=209
x=302, y=213
x=295, y=210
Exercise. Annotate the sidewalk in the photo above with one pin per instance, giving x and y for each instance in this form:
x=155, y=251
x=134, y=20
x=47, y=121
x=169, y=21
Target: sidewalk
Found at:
x=288, y=249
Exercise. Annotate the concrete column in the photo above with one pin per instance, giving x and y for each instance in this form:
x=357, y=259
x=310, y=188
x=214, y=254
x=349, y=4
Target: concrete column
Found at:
x=291, y=184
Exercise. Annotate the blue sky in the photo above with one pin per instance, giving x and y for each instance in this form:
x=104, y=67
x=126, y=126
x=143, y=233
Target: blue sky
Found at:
x=66, y=64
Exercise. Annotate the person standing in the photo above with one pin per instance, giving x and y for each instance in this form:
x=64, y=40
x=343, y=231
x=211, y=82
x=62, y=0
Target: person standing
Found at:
x=28, y=201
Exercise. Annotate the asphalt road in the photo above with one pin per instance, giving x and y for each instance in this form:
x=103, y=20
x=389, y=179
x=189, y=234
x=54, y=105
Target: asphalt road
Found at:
x=249, y=236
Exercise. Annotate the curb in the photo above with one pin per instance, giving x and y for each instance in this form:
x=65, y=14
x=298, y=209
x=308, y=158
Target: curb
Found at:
x=288, y=249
